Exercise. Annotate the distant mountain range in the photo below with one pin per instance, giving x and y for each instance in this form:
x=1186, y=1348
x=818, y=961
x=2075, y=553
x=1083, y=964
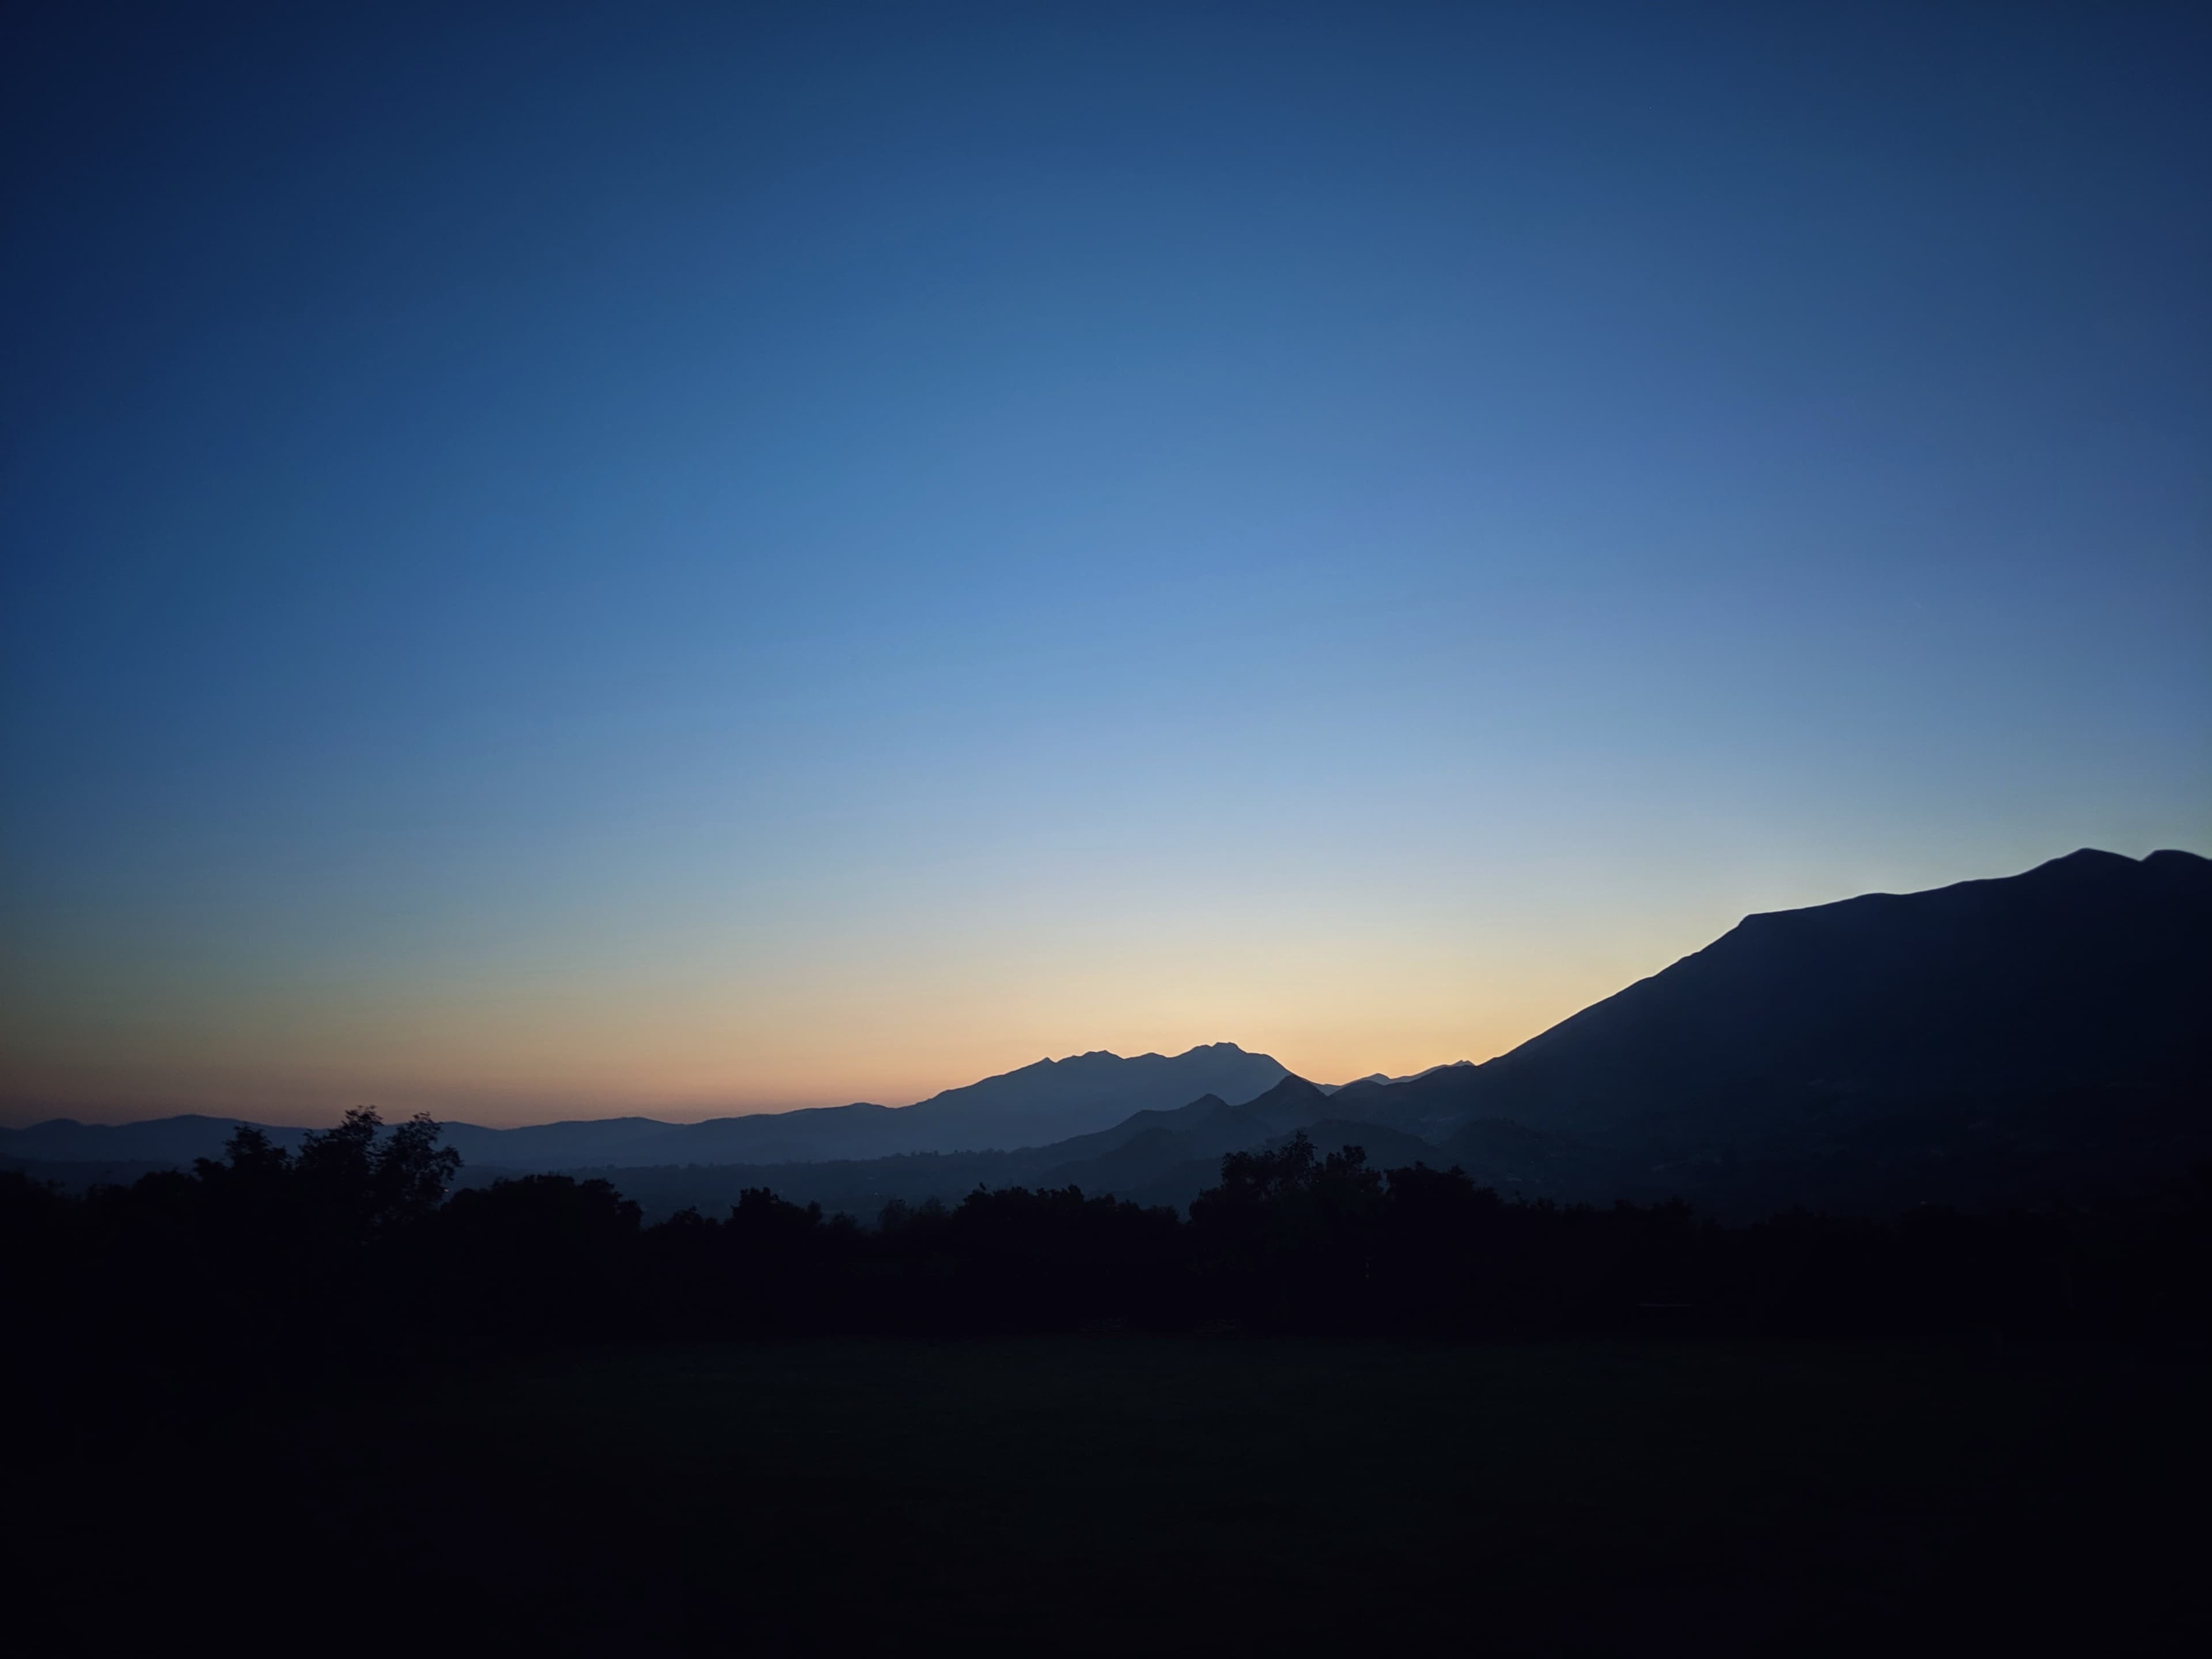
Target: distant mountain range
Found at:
x=1381, y=1076
x=1048, y=1101
x=2041, y=1036
x=1153, y=1157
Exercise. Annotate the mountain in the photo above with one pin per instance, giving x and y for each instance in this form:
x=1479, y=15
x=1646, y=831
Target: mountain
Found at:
x=1977, y=1042
x=1987, y=1043
x=168, y=1142
x=1384, y=1077
x=550, y=1146
x=1150, y=1157
x=172, y=1142
x=1050, y=1101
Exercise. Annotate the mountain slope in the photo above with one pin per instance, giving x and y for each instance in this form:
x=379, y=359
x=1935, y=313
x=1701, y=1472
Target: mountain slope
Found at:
x=1050, y=1101
x=1803, y=1032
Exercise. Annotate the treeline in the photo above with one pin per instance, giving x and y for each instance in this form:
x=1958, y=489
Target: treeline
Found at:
x=352, y=1251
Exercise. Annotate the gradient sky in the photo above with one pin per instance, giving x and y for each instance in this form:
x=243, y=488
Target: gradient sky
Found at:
x=642, y=558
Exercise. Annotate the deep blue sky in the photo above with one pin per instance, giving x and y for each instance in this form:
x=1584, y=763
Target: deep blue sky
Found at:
x=624, y=556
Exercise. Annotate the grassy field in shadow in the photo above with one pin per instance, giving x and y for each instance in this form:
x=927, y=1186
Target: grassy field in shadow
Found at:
x=1110, y=1492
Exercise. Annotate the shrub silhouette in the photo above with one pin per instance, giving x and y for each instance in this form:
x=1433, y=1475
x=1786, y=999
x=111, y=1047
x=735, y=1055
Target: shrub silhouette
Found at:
x=266, y=1264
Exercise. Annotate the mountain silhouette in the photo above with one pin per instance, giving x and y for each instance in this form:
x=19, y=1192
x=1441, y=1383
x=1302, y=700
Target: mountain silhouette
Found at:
x=1150, y=1157
x=548, y=1146
x=1993, y=1042
x=1050, y=1101
x=2092, y=969
x=2041, y=1029
x=169, y=1142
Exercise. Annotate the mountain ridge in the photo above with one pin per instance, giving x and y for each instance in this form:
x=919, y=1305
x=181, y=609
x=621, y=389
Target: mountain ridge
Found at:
x=2082, y=971
x=1046, y=1101
x=2005, y=1040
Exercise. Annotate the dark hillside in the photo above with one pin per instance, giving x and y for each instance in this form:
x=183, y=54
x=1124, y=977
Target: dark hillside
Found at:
x=1971, y=1043
x=2091, y=969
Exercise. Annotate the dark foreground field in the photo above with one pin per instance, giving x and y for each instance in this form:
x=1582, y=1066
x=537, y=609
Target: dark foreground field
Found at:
x=1135, y=1493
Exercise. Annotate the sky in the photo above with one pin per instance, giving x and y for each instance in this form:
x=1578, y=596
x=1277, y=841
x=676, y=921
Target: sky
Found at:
x=703, y=560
